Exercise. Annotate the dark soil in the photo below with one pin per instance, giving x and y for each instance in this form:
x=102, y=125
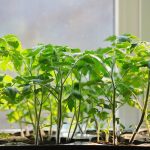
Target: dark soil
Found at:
x=142, y=139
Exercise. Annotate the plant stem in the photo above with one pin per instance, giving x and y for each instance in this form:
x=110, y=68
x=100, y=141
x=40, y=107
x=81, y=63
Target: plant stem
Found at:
x=36, y=116
x=80, y=128
x=30, y=115
x=113, y=103
x=51, y=121
x=77, y=120
x=114, y=115
x=147, y=126
x=98, y=133
x=70, y=127
x=144, y=110
x=59, y=114
x=86, y=125
x=20, y=124
x=38, y=123
x=107, y=129
x=97, y=128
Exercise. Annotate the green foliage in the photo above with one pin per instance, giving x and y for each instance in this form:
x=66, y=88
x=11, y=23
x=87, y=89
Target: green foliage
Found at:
x=61, y=81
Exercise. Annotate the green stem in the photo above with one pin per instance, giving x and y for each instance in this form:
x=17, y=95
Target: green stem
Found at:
x=30, y=115
x=147, y=124
x=70, y=126
x=77, y=120
x=86, y=125
x=97, y=128
x=113, y=103
x=38, y=130
x=38, y=124
x=51, y=119
x=98, y=134
x=36, y=116
x=80, y=128
x=144, y=110
x=59, y=114
x=20, y=125
x=108, y=127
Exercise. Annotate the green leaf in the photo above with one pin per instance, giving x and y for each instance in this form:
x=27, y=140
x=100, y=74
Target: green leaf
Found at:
x=123, y=38
x=92, y=111
x=70, y=103
x=35, y=51
x=13, y=41
x=107, y=106
x=10, y=93
x=103, y=115
x=148, y=116
x=122, y=126
x=131, y=102
x=123, y=45
x=76, y=86
x=149, y=64
x=26, y=89
x=75, y=50
x=111, y=38
x=1, y=77
x=118, y=120
x=76, y=94
x=17, y=60
x=99, y=65
x=3, y=44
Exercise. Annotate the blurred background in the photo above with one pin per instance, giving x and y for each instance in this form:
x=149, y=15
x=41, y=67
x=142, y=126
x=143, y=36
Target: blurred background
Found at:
x=77, y=23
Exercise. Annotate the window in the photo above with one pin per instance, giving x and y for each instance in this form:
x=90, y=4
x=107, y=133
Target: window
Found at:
x=132, y=17
x=77, y=23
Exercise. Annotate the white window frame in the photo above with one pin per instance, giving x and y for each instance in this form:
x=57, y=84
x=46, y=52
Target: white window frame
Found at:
x=132, y=16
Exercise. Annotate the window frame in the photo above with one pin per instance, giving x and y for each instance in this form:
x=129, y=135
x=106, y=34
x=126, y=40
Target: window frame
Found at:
x=131, y=17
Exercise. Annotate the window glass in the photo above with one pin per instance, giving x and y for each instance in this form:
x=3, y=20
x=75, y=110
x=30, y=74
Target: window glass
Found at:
x=77, y=23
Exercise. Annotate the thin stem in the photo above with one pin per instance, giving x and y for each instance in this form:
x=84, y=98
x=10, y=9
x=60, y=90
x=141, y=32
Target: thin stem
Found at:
x=38, y=120
x=97, y=129
x=147, y=123
x=48, y=88
x=113, y=103
x=20, y=124
x=144, y=109
x=30, y=115
x=86, y=125
x=80, y=128
x=77, y=115
x=77, y=120
x=51, y=119
x=36, y=115
x=70, y=126
x=59, y=113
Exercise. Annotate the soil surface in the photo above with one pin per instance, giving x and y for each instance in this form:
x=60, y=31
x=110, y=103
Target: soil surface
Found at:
x=10, y=139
